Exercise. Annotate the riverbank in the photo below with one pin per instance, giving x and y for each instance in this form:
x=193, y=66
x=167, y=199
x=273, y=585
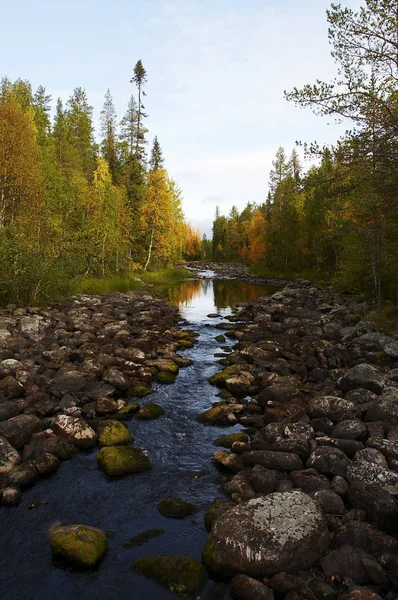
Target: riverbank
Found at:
x=65, y=368
x=313, y=487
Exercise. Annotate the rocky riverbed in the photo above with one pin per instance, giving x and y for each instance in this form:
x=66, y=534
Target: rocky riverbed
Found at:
x=313, y=483
x=71, y=372
x=309, y=474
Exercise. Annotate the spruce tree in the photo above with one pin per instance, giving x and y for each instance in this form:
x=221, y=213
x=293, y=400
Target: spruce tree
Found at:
x=109, y=135
x=140, y=79
x=156, y=161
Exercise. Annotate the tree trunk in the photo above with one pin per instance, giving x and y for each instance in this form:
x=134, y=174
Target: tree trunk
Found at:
x=150, y=248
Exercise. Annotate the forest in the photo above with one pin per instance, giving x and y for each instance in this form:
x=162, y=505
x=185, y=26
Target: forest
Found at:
x=74, y=206
x=339, y=218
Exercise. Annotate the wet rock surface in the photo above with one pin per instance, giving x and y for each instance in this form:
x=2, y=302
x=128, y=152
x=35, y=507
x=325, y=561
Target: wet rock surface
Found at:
x=321, y=411
x=69, y=369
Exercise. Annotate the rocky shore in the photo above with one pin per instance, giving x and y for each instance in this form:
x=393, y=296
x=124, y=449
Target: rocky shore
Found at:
x=313, y=476
x=71, y=372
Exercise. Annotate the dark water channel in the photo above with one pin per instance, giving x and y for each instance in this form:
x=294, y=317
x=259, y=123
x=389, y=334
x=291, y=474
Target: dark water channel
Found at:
x=180, y=450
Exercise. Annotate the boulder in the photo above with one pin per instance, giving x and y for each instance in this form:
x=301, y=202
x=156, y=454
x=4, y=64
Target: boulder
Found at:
x=122, y=460
x=328, y=460
x=76, y=430
x=378, y=504
x=267, y=535
x=115, y=378
x=386, y=409
x=10, y=389
x=371, y=474
x=11, y=496
x=19, y=430
x=181, y=575
x=175, y=508
x=362, y=376
x=106, y=405
x=24, y=475
x=80, y=545
x=150, y=411
x=46, y=463
x=247, y=588
x=113, y=433
x=283, y=461
x=356, y=564
x=334, y=408
x=350, y=429
x=9, y=457
x=329, y=502
x=228, y=440
x=68, y=382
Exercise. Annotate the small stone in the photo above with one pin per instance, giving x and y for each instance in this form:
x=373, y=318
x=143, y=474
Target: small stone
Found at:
x=181, y=575
x=175, y=508
x=46, y=463
x=11, y=496
x=329, y=461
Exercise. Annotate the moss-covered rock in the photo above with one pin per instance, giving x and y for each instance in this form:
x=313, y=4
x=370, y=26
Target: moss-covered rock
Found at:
x=121, y=460
x=219, y=415
x=216, y=510
x=228, y=440
x=129, y=409
x=150, y=411
x=182, y=575
x=113, y=433
x=165, y=377
x=183, y=344
x=221, y=339
x=143, y=537
x=224, y=394
x=175, y=508
x=80, y=545
x=220, y=378
x=140, y=389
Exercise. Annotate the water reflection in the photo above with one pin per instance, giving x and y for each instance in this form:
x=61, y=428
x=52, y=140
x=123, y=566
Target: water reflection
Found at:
x=219, y=293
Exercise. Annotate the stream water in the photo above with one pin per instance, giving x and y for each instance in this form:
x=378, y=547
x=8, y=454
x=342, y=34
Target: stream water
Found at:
x=180, y=450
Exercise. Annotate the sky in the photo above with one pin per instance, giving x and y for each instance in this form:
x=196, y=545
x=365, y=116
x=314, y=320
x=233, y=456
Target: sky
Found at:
x=217, y=70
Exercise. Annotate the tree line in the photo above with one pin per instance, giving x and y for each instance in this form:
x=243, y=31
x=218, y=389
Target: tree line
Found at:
x=341, y=216
x=73, y=205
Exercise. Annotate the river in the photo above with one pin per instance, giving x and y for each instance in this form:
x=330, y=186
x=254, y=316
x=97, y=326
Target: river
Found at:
x=180, y=450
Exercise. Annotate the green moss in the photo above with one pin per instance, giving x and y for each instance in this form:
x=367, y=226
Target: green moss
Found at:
x=224, y=394
x=212, y=414
x=182, y=344
x=81, y=545
x=165, y=377
x=210, y=555
x=180, y=574
x=113, y=433
x=220, y=339
x=220, y=378
x=140, y=389
x=143, y=537
x=121, y=460
x=150, y=411
x=228, y=440
x=215, y=510
x=129, y=409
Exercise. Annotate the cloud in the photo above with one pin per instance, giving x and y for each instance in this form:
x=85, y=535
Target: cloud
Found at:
x=213, y=200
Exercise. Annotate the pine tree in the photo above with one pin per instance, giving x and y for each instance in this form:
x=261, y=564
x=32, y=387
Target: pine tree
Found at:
x=128, y=128
x=80, y=131
x=140, y=79
x=156, y=161
x=109, y=136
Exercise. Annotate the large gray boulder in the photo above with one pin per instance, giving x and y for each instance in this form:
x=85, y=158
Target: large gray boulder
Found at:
x=362, y=376
x=386, y=409
x=279, y=532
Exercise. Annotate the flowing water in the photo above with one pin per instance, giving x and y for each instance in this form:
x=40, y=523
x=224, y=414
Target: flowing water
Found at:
x=180, y=449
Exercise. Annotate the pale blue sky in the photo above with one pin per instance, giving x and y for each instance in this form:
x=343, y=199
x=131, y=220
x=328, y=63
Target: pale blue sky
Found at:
x=216, y=74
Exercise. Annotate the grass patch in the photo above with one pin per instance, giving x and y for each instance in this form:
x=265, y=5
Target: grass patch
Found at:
x=311, y=275
x=139, y=280
x=386, y=320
